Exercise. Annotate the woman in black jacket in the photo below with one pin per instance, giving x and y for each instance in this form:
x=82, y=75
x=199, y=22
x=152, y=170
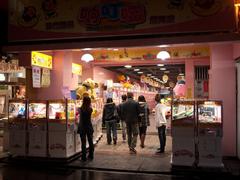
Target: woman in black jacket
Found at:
x=85, y=128
x=109, y=118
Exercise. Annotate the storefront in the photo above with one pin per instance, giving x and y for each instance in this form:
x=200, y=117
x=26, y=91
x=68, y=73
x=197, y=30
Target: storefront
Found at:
x=134, y=40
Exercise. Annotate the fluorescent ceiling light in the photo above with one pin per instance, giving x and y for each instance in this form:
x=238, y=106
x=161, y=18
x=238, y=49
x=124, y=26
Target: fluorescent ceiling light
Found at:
x=87, y=49
x=136, y=69
x=115, y=49
x=160, y=65
x=149, y=74
x=166, y=72
x=139, y=72
x=87, y=57
x=162, y=69
x=128, y=66
x=181, y=74
x=163, y=55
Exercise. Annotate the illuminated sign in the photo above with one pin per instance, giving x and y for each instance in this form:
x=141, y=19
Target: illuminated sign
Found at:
x=41, y=60
x=76, y=69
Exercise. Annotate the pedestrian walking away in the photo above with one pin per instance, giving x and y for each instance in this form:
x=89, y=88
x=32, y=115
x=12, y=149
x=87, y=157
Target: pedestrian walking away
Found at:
x=122, y=116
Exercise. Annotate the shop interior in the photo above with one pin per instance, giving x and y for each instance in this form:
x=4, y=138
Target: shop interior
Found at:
x=182, y=73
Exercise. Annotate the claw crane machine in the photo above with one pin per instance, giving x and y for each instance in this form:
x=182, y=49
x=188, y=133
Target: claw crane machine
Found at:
x=17, y=127
x=210, y=132
x=183, y=133
x=61, y=127
x=37, y=128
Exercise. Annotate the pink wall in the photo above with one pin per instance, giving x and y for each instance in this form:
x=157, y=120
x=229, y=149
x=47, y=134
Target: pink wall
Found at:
x=100, y=75
x=223, y=87
x=189, y=76
x=55, y=89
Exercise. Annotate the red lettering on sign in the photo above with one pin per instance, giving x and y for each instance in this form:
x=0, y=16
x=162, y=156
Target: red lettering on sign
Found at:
x=133, y=14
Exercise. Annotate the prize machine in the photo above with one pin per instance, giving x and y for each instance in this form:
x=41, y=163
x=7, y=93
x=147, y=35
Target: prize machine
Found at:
x=37, y=128
x=61, y=128
x=17, y=127
x=183, y=133
x=209, y=116
x=77, y=140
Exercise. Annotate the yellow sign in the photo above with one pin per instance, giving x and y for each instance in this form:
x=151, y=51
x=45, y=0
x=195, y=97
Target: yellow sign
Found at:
x=41, y=60
x=76, y=69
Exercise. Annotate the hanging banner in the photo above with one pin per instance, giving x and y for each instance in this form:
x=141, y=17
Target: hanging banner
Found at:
x=46, y=19
x=36, y=77
x=45, y=77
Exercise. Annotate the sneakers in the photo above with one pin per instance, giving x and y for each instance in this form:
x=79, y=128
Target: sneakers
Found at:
x=160, y=152
x=114, y=141
x=132, y=151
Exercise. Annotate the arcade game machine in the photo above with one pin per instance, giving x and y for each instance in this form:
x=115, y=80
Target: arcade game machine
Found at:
x=210, y=132
x=17, y=127
x=183, y=133
x=61, y=128
x=37, y=128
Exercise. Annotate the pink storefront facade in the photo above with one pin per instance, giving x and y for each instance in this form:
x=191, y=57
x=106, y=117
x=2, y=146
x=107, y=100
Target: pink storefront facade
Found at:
x=224, y=49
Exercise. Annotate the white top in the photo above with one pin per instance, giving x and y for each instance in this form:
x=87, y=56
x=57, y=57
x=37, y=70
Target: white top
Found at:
x=160, y=112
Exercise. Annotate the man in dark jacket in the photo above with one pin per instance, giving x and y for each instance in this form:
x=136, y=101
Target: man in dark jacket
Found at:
x=109, y=118
x=122, y=117
x=131, y=110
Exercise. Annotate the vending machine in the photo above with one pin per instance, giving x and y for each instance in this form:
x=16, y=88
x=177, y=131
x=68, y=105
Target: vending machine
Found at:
x=183, y=133
x=61, y=128
x=37, y=128
x=210, y=132
x=17, y=127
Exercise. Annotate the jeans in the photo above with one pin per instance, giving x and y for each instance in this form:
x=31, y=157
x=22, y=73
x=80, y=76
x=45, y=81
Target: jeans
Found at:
x=90, y=142
x=123, y=123
x=132, y=133
x=111, y=129
x=162, y=137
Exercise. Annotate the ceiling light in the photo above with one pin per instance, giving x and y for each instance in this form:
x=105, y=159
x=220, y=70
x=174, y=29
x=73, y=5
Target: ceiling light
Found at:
x=87, y=57
x=164, y=45
x=136, y=69
x=152, y=76
x=139, y=72
x=162, y=69
x=160, y=65
x=181, y=74
x=166, y=72
x=149, y=74
x=115, y=49
x=128, y=66
x=87, y=49
x=163, y=55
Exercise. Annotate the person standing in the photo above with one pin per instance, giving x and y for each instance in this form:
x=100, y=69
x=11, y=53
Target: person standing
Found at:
x=109, y=118
x=144, y=119
x=122, y=117
x=85, y=128
x=161, y=122
x=131, y=110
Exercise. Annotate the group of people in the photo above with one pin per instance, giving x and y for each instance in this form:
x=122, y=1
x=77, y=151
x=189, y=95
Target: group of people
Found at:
x=134, y=118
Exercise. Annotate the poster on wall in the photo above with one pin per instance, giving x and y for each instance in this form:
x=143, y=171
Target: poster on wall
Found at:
x=73, y=18
x=45, y=78
x=36, y=77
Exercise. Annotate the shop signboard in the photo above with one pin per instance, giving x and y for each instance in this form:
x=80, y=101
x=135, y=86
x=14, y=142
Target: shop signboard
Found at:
x=45, y=19
x=41, y=60
x=36, y=77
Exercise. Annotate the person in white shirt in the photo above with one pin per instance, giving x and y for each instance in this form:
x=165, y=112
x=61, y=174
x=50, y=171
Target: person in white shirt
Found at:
x=161, y=122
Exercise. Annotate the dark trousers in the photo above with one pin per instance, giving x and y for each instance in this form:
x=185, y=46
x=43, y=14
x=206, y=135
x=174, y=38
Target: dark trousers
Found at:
x=83, y=137
x=162, y=137
x=111, y=127
x=132, y=133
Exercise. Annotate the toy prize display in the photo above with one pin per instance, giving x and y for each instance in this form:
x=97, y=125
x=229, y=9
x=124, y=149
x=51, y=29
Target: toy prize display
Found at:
x=61, y=128
x=183, y=133
x=37, y=128
x=209, y=116
x=17, y=127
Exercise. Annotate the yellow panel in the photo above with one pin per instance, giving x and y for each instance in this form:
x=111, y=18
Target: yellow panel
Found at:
x=41, y=60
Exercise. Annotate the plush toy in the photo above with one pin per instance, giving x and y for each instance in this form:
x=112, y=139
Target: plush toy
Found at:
x=87, y=89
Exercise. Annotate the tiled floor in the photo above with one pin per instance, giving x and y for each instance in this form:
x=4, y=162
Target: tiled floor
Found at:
x=151, y=145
